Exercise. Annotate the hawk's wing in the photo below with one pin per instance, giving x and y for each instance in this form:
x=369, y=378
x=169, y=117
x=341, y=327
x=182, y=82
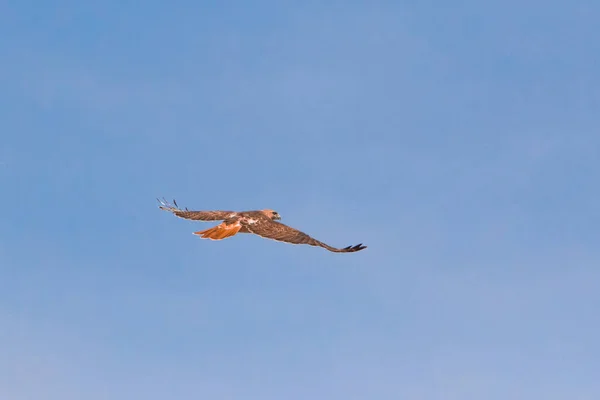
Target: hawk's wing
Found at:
x=277, y=231
x=195, y=215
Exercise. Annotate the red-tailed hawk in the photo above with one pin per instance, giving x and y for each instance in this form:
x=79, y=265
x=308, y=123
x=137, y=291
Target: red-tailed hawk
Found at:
x=260, y=222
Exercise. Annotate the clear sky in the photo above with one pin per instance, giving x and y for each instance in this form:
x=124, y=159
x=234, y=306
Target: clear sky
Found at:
x=460, y=141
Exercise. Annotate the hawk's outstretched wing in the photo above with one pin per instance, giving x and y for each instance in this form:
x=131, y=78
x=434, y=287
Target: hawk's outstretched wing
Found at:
x=277, y=231
x=195, y=215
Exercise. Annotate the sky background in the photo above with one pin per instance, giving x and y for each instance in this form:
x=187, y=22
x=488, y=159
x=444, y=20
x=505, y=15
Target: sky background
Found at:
x=460, y=141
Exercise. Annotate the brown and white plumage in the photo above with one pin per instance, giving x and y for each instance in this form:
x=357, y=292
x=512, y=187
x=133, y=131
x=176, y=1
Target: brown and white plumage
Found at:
x=260, y=222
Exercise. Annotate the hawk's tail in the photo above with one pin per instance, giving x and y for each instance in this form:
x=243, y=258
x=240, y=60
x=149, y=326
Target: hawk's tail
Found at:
x=219, y=232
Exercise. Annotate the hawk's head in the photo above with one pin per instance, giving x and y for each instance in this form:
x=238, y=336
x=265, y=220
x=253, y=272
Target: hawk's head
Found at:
x=272, y=214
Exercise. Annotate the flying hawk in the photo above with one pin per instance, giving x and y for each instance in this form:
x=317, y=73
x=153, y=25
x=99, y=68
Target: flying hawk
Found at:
x=260, y=222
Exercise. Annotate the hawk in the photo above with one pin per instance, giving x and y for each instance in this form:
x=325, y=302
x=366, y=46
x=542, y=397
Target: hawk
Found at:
x=259, y=222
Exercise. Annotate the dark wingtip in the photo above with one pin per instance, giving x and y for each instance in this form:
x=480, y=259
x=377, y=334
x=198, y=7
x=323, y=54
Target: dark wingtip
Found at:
x=165, y=205
x=352, y=249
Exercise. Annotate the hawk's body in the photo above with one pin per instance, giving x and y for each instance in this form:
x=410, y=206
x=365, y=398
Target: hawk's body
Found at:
x=261, y=223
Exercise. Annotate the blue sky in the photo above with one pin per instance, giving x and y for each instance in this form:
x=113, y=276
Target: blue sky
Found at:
x=459, y=141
